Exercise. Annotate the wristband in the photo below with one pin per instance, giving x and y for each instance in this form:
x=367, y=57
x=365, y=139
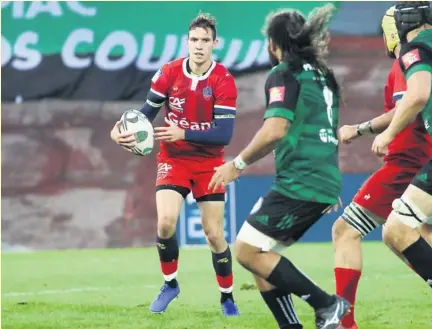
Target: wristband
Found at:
x=239, y=163
x=365, y=129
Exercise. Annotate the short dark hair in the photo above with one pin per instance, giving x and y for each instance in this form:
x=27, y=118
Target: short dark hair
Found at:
x=303, y=39
x=205, y=21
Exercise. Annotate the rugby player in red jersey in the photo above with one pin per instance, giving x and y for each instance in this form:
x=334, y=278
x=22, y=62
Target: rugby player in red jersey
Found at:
x=372, y=204
x=200, y=100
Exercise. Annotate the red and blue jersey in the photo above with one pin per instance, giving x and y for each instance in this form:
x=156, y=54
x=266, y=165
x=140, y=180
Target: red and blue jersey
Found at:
x=204, y=106
x=412, y=146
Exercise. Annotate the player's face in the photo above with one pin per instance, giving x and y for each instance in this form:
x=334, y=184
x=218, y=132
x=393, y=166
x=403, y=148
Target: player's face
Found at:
x=272, y=53
x=201, y=45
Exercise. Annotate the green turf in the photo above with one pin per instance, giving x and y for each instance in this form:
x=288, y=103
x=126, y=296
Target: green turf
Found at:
x=113, y=288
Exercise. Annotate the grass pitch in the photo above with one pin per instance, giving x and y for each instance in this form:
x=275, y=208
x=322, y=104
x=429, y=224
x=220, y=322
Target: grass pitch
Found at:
x=96, y=289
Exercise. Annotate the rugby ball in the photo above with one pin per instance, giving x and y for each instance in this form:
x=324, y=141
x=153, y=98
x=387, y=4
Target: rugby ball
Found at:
x=137, y=123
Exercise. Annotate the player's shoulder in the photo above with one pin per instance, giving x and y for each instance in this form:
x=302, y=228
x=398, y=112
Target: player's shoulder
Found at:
x=174, y=65
x=414, y=52
x=280, y=74
x=220, y=71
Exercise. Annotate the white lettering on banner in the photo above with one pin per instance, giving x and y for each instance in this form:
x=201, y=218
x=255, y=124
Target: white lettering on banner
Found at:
x=53, y=8
x=114, y=39
x=27, y=58
x=6, y=51
x=80, y=9
x=17, y=8
x=183, y=123
x=232, y=53
x=37, y=7
x=263, y=57
x=68, y=52
x=251, y=55
x=146, y=60
x=144, y=57
x=4, y=4
x=184, y=51
x=219, y=46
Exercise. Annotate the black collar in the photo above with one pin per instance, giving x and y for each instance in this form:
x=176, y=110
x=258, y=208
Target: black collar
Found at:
x=190, y=71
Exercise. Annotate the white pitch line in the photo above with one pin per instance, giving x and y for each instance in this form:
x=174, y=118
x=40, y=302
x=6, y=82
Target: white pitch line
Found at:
x=67, y=291
x=89, y=289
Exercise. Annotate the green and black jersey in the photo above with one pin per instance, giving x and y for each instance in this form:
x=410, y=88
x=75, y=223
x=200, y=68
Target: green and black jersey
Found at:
x=416, y=56
x=306, y=159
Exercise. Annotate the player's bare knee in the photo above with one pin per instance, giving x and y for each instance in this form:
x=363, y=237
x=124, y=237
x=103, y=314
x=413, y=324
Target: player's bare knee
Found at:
x=342, y=231
x=214, y=236
x=396, y=234
x=166, y=226
x=262, y=284
x=359, y=221
x=242, y=254
x=390, y=233
x=409, y=210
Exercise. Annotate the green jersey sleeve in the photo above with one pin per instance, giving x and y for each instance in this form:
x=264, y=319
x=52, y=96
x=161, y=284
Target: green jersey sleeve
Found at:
x=282, y=90
x=415, y=58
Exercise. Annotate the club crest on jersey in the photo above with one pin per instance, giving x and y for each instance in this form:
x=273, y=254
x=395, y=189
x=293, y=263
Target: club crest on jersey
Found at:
x=207, y=93
x=277, y=94
x=410, y=58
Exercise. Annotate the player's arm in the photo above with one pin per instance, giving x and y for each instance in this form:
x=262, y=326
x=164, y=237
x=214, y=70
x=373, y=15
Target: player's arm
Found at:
x=283, y=94
x=265, y=140
x=378, y=124
x=348, y=133
x=418, y=66
x=157, y=94
x=223, y=116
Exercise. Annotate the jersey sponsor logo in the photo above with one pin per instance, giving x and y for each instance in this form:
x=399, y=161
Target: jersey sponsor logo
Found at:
x=207, y=93
x=277, y=94
x=410, y=58
x=177, y=103
x=163, y=170
x=185, y=124
x=223, y=260
x=327, y=136
x=156, y=76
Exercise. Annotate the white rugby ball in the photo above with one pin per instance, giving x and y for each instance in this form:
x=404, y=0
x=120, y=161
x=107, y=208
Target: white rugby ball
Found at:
x=137, y=123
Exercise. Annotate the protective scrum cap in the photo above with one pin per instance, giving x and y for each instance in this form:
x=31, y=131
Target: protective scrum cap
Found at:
x=390, y=31
x=410, y=15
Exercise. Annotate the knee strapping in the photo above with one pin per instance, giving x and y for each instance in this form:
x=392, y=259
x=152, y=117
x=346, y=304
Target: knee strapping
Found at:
x=409, y=214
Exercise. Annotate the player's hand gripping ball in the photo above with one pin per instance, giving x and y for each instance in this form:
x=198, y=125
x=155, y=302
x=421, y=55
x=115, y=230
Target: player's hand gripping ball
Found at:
x=134, y=132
